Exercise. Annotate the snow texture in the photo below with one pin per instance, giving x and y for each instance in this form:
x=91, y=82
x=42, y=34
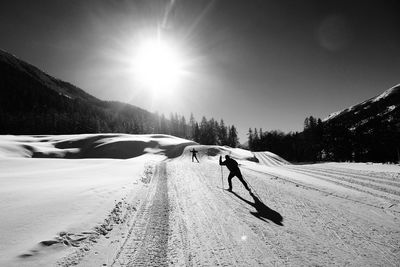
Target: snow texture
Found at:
x=386, y=93
x=139, y=200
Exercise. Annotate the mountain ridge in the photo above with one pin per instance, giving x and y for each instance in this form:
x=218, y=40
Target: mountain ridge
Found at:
x=394, y=90
x=63, y=87
x=381, y=109
x=34, y=102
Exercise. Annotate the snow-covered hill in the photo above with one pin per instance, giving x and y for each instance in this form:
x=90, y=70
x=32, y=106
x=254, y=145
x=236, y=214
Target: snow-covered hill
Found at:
x=115, y=146
x=123, y=146
x=385, y=107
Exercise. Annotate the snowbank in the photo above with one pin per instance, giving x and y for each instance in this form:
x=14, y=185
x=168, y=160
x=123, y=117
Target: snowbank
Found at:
x=42, y=198
x=270, y=159
x=244, y=157
x=212, y=153
x=49, y=205
x=123, y=146
x=117, y=146
x=375, y=167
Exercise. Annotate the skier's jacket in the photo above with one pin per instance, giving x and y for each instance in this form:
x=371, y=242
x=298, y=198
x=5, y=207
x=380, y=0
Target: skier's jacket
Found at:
x=230, y=163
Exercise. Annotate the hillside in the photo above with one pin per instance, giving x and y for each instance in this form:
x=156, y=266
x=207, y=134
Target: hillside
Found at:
x=33, y=102
x=368, y=131
x=384, y=108
x=16, y=72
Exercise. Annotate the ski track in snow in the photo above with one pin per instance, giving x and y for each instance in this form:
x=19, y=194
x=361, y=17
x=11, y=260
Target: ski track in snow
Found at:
x=147, y=241
x=186, y=219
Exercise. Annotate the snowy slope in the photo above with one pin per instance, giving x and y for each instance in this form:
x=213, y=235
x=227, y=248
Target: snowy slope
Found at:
x=117, y=146
x=40, y=199
x=49, y=204
x=296, y=217
x=270, y=159
x=385, y=106
x=242, y=156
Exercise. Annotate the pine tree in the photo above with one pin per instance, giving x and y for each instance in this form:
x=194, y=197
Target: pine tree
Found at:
x=306, y=123
x=203, y=131
x=233, y=138
x=192, y=123
x=256, y=141
x=183, y=132
x=196, y=132
x=163, y=125
x=222, y=133
x=250, y=138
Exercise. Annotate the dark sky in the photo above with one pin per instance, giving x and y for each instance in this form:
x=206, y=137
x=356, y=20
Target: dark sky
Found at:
x=257, y=64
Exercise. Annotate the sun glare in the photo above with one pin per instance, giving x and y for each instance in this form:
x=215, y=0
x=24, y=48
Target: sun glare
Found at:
x=158, y=66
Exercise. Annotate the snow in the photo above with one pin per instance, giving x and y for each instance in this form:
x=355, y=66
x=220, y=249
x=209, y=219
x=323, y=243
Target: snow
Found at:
x=121, y=146
x=391, y=108
x=388, y=110
x=376, y=167
x=41, y=197
x=242, y=156
x=270, y=159
x=138, y=200
x=386, y=93
x=333, y=115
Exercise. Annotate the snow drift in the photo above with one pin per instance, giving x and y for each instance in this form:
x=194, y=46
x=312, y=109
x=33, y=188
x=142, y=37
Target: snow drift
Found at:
x=123, y=146
x=50, y=203
x=116, y=146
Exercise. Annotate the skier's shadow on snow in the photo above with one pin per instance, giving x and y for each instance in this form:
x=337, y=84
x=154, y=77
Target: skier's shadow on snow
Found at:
x=263, y=211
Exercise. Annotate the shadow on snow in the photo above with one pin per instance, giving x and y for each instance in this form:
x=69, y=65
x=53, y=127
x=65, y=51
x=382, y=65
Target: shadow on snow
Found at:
x=263, y=212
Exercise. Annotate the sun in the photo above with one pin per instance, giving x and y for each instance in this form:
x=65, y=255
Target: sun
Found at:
x=158, y=66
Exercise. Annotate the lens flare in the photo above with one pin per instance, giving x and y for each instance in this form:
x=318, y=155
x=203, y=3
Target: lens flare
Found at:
x=158, y=65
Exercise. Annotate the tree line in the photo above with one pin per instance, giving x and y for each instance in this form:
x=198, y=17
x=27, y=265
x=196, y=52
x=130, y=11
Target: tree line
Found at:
x=377, y=141
x=30, y=108
x=210, y=132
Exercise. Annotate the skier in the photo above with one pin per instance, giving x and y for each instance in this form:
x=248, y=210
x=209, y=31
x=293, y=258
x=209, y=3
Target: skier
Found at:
x=194, y=152
x=232, y=166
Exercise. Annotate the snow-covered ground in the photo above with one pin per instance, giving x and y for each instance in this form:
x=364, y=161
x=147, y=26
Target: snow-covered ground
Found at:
x=45, y=202
x=128, y=200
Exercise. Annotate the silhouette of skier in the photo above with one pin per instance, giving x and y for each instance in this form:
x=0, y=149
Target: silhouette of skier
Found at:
x=194, y=152
x=233, y=167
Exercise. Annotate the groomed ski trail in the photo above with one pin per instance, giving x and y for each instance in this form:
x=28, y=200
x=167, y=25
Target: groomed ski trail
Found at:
x=187, y=219
x=147, y=239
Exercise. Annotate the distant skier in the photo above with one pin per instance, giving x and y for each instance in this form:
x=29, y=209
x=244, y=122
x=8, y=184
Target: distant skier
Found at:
x=194, y=152
x=233, y=167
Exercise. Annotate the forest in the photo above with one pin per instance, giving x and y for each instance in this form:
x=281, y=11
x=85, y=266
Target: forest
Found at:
x=377, y=141
x=34, y=103
x=37, y=112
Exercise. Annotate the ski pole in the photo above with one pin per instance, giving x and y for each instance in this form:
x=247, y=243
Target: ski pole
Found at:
x=222, y=175
x=222, y=178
